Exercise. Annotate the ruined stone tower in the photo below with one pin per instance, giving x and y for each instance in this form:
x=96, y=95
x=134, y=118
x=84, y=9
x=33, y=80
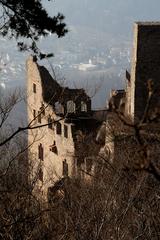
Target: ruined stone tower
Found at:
x=145, y=68
x=64, y=125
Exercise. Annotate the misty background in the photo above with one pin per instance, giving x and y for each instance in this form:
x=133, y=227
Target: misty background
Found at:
x=94, y=54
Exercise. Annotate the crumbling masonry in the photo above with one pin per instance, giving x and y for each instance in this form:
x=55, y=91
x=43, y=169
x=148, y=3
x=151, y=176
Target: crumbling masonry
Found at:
x=62, y=147
x=67, y=146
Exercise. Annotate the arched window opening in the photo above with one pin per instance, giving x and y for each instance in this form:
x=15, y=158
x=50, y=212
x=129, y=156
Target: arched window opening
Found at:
x=71, y=107
x=83, y=107
x=59, y=108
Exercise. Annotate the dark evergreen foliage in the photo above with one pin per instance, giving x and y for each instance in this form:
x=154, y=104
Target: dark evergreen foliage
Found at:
x=28, y=19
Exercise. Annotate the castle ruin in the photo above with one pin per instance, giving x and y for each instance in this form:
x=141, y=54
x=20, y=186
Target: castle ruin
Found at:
x=60, y=148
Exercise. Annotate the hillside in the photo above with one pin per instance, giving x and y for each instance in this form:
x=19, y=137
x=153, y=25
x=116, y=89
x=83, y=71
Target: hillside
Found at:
x=100, y=31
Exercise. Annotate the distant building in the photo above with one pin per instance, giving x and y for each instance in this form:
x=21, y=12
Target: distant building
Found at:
x=86, y=66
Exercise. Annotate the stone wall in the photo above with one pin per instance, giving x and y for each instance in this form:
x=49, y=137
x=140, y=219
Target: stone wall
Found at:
x=56, y=151
x=56, y=147
x=145, y=67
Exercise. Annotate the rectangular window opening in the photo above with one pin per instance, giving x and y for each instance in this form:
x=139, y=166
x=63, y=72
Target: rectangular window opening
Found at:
x=65, y=168
x=39, y=116
x=42, y=108
x=34, y=113
x=59, y=128
x=40, y=152
x=65, y=131
x=50, y=122
x=34, y=88
x=40, y=174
